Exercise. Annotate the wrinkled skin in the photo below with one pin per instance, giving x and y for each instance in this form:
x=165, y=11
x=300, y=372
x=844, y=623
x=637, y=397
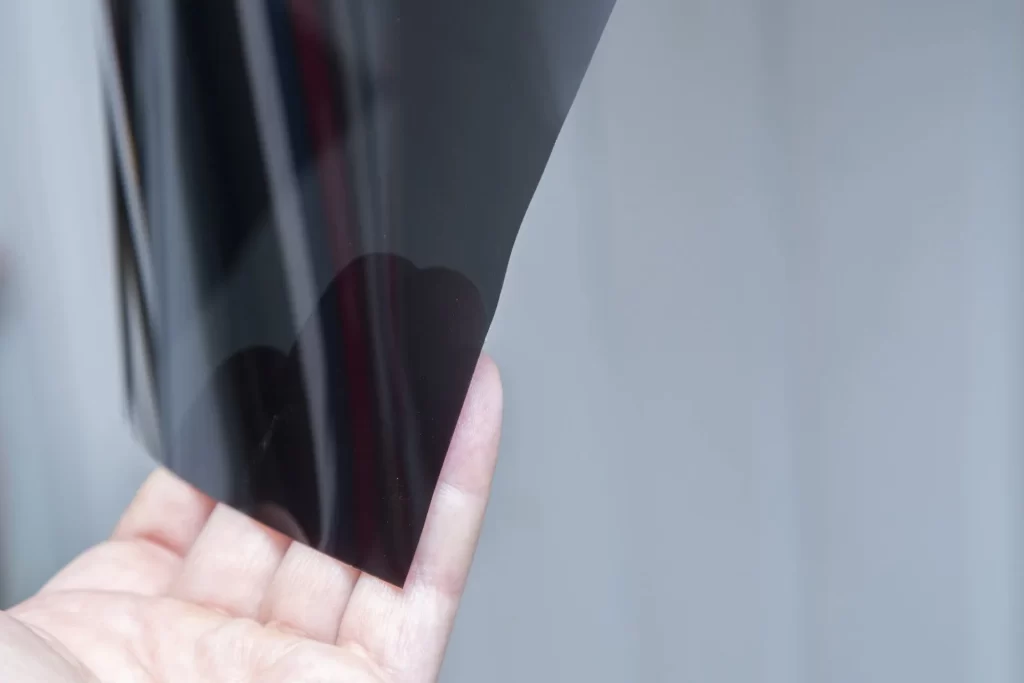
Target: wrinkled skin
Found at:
x=187, y=590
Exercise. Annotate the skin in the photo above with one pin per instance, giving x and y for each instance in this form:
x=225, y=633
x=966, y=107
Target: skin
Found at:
x=189, y=590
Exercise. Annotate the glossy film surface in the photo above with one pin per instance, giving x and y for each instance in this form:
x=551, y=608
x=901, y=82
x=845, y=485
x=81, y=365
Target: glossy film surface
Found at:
x=326, y=197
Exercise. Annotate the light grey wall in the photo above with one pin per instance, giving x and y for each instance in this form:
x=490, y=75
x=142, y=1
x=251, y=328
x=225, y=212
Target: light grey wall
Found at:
x=761, y=342
x=767, y=425
x=68, y=464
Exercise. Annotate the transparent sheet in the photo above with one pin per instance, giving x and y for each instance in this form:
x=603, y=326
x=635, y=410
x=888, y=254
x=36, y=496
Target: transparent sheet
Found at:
x=318, y=201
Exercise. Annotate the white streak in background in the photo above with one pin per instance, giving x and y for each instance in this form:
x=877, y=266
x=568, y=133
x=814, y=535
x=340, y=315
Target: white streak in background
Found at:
x=289, y=223
x=127, y=164
x=992, y=465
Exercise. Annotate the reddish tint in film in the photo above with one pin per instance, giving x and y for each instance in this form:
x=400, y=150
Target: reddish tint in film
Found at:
x=318, y=201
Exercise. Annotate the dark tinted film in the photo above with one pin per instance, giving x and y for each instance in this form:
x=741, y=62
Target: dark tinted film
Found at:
x=331, y=192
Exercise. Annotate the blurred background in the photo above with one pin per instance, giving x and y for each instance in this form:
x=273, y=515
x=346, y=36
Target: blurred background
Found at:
x=761, y=339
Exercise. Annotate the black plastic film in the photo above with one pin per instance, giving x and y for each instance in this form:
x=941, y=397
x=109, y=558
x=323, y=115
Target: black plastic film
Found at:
x=326, y=195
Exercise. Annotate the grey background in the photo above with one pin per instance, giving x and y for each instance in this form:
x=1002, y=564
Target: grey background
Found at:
x=761, y=342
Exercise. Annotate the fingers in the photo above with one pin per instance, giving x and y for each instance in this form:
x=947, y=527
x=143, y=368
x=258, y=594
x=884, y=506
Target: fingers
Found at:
x=146, y=549
x=119, y=566
x=231, y=564
x=308, y=594
x=175, y=540
x=452, y=529
x=405, y=631
x=166, y=512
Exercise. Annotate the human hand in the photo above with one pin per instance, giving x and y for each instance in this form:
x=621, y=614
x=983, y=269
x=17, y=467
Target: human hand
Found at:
x=187, y=590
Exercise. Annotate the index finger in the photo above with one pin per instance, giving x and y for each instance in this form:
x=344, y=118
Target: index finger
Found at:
x=405, y=631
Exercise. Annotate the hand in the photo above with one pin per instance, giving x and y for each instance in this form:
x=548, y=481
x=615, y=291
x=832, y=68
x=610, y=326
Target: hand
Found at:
x=187, y=590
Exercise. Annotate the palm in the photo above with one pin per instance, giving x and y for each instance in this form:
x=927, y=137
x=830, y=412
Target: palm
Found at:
x=187, y=590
